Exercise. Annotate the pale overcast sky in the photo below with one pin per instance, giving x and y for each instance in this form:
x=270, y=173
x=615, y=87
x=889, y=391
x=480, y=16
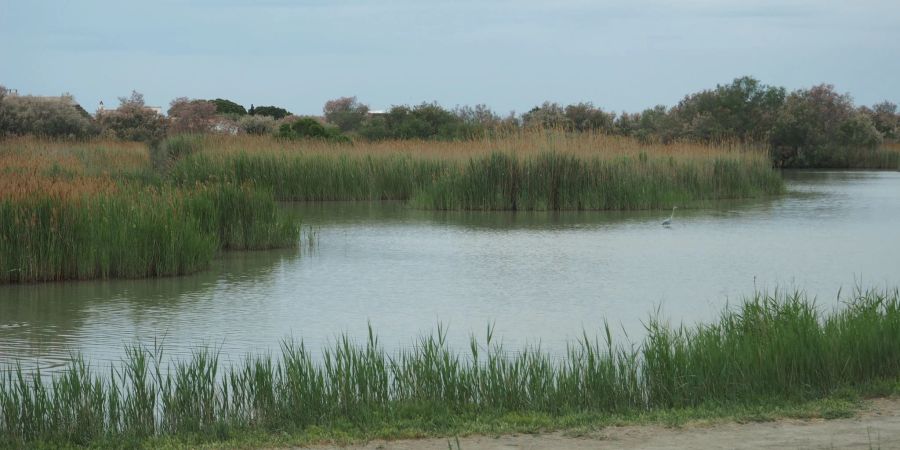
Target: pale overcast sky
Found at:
x=511, y=55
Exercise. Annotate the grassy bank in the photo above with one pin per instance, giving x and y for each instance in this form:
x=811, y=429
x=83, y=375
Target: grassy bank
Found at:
x=771, y=351
x=527, y=171
x=81, y=211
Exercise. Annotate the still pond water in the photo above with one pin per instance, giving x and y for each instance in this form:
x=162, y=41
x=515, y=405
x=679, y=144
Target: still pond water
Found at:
x=540, y=278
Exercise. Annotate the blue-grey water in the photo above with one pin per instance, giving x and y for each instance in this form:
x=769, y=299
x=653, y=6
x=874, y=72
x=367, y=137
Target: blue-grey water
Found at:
x=539, y=278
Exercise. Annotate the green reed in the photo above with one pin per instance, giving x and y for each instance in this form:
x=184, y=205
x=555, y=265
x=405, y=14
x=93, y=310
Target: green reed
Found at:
x=241, y=217
x=555, y=181
x=770, y=348
x=493, y=181
x=135, y=232
x=316, y=177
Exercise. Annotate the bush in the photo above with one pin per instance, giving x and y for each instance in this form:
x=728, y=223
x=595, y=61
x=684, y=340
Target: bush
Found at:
x=256, y=125
x=375, y=129
x=548, y=115
x=309, y=128
x=424, y=121
x=586, y=117
x=191, y=116
x=56, y=117
x=133, y=121
x=346, y=113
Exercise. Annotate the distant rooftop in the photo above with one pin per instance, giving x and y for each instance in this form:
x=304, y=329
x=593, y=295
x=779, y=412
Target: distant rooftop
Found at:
x=101, y=109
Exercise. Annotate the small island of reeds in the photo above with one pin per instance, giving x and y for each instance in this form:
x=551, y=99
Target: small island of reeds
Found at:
x=537, y=170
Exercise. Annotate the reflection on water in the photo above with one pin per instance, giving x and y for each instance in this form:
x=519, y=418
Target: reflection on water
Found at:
x=42, y=324
x=540, y=277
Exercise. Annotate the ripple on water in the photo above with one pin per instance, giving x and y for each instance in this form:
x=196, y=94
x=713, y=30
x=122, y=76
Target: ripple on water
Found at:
x=540, y=278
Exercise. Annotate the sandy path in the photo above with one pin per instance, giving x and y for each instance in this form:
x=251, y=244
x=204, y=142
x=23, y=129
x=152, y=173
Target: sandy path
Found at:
x=877, y=427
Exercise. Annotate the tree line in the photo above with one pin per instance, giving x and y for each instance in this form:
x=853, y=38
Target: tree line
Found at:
x=813, y=127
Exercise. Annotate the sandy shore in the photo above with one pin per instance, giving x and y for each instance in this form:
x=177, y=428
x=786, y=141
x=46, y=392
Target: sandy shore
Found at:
x=876, y=427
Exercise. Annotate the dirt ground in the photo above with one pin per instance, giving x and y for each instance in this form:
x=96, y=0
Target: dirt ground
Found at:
x=877, y=427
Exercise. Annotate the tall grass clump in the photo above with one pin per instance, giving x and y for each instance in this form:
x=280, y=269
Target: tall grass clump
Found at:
x=166, y=152
x=134, y=232
x=772, y=348
x=887, y=157
x=242, y=217
x=103, y=236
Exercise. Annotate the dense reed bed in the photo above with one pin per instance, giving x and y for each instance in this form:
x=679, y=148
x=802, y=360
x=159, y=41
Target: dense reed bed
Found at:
x=770, y=348
x=885, y=157
x=555, y=181
x=93, y=210
x=135, y=232
x=525, y=171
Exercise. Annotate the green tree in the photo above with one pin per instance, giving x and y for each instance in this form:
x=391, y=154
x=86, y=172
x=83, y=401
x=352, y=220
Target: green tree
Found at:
x=224, y=106
x=627, y=124
x=346, y=113
x=375, y=128
x=423, y=121
x=818, y=127
x=271, y=111
x=744, y=109
x=548, y=115
x=656, y=125
x=585, y=116
x=480, y=115
x=885, y=119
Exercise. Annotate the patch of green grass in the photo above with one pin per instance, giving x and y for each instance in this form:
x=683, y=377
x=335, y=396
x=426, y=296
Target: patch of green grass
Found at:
x=575, y=424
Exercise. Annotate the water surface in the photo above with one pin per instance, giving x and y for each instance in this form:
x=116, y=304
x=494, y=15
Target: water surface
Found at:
x=540, y=278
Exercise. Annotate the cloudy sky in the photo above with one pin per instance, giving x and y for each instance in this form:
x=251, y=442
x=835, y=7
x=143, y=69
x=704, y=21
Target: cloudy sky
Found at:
x=509, y=54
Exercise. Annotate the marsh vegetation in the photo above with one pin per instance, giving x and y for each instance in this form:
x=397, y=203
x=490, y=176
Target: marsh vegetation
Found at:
x=780, y=348
x=100, y=209
x=540, y=170
x=97, y=210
